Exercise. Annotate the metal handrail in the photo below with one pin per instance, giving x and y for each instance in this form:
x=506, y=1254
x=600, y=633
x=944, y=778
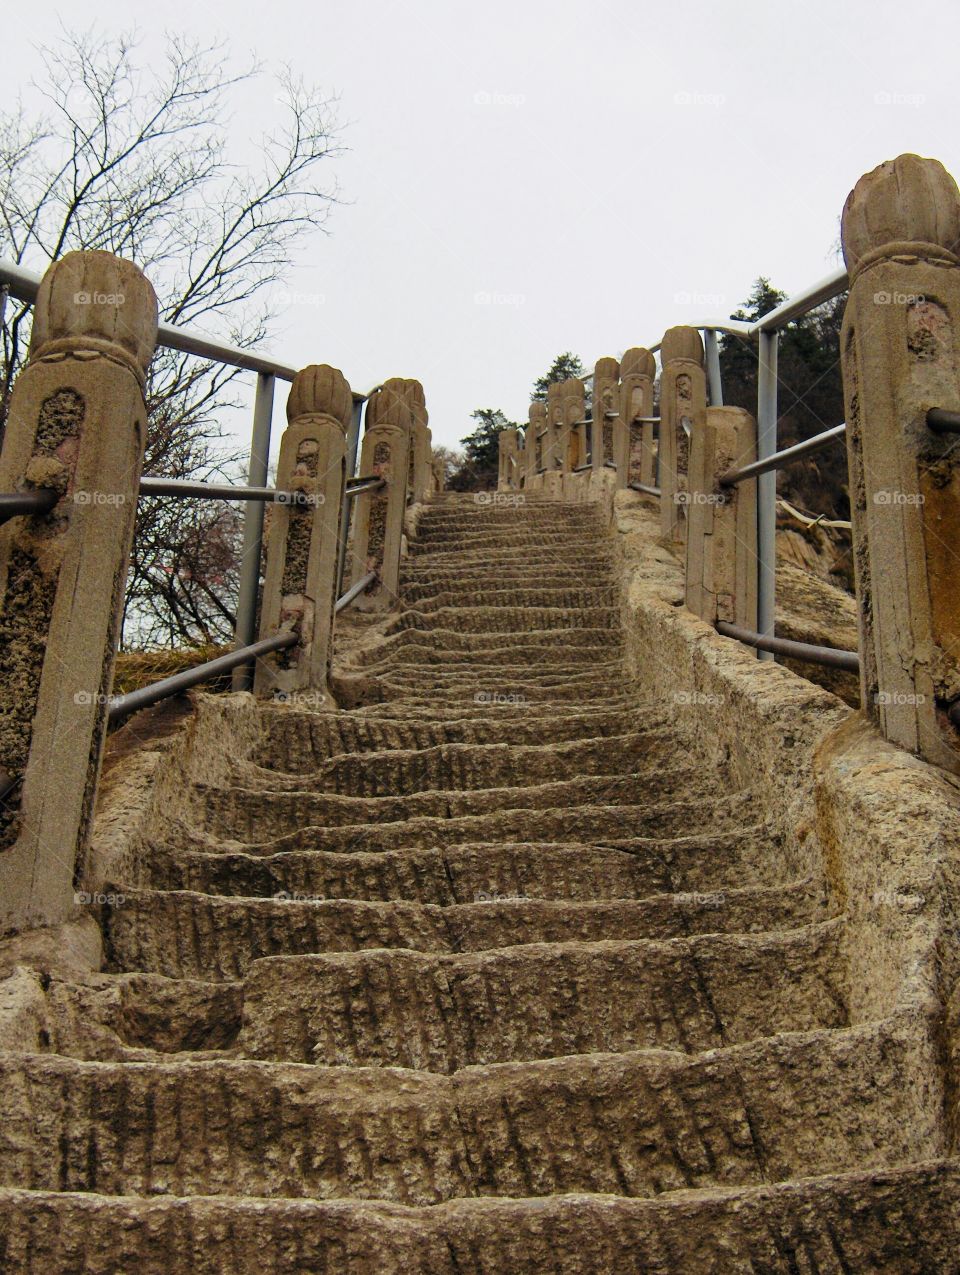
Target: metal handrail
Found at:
x=781, y=458
x=363, y=484
x=123, y=705
x=645, y=488
x=354, y=590
x=828, y=656
x=24, y=285
x=802, y=303
x=182, y=488
x=18, y=504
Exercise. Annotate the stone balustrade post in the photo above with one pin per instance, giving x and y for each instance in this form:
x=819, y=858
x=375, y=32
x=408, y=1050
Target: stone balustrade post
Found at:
x=606, y=398
x=634, y=451
x=721, y=554
x=378, y=534
x=572, y=399
x=301, y=576
x=536, y=424
x=901, y=356
x=420, y=443
x=552, y=456
x=77, y=424
x=507, y=455
x=683, y=410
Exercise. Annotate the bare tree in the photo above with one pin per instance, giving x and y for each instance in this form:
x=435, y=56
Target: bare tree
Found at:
x=139, y=163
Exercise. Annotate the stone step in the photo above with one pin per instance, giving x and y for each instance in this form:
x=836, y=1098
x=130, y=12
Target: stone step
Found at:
x=298, y=741
x=538, y=1001
x=252, y=814
x=543, y=541
x=516, y=573
x=561, y=823
x=465, y=766
x=478, y=873
x=510, y=618
x=181, y=934
x=582, y=683
x=529, y=647
x=429, y=599
x=634, y=1124
x=571, y=557
x=903, y=1221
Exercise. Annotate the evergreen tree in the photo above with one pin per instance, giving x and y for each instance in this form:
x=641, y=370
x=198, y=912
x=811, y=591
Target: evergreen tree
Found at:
x=564, y=367
x=481, y=451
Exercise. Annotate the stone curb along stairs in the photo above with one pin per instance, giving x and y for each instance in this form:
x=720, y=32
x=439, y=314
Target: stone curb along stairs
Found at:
x=493, y=974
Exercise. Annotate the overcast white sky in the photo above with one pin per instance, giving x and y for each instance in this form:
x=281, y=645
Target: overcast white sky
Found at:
x=526, y=177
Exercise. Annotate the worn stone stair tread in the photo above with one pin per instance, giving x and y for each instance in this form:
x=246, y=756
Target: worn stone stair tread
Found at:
x=507, y=620
x=292, y=739
x=902, y=1221
x=542, y=1000
x=558, y=823
x=427, y=600
x=251, y=813
x=183, y=933
x=463, y=765
x=478, y=872
x=637, y=1124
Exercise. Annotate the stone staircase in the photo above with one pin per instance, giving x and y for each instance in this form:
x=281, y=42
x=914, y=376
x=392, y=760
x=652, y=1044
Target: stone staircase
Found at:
x=488, y=974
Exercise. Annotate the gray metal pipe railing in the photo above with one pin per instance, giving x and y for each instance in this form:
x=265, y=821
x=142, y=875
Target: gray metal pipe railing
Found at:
x=828, y=656
x=645, y=488
x=354, y=591
x=17, y=504
x=943, y=421
x=781, y=458
x=357, y=485
x=123, y=705
x=182, y=489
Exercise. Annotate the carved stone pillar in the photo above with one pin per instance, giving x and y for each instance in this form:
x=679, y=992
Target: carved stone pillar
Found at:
x=683, y=410
x=638, y=368
x=606, y=376
x=385, y=453
x=301, y=577
x=721, y=562
x=507, y=454
x=537, y=423
x=77, y=425
x=572, y=405
x=901, y=356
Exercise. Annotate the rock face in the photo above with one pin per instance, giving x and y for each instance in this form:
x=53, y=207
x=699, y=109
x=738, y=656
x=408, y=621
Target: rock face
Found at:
x=488, y=975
